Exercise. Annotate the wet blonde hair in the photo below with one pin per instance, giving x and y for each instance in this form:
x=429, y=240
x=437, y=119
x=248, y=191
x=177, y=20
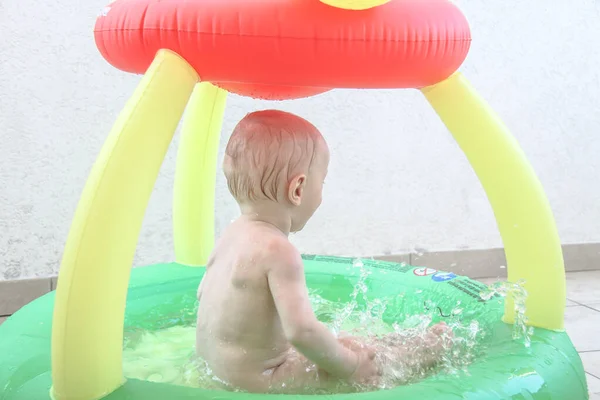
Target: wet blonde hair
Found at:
x=266, y=150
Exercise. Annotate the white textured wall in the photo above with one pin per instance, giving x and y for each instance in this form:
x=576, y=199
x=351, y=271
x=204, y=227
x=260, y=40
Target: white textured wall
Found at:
x=397, y=180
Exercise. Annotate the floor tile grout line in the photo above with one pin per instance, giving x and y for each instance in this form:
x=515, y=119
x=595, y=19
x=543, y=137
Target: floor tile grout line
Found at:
x=581, y=304
x=593, y=309
x=588, y=351
x=576, y=302
x=589, y=373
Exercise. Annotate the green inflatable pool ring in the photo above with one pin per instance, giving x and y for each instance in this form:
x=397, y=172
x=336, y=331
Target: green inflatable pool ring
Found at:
x=549, y=369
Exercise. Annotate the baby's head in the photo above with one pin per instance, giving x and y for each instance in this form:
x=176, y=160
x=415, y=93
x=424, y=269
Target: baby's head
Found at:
x=277, y=157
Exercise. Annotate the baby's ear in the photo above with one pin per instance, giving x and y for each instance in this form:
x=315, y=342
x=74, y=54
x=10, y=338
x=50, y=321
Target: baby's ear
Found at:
x=296, y=189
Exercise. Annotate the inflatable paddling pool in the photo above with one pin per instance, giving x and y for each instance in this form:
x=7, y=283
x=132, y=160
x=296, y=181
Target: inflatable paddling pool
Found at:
x=158, y=294
x=68, y=345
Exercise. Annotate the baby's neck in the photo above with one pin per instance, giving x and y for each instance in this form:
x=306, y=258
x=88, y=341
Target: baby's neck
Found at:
x=269, y=213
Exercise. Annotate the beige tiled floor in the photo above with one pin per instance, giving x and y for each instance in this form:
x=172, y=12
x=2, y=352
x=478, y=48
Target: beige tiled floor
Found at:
x=582, y=320
x=15, y=294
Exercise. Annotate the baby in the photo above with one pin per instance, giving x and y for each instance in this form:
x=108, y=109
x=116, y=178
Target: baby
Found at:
x=256, y=328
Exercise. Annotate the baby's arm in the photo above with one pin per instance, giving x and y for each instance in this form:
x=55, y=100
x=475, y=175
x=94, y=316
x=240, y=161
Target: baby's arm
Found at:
x=301, y=327
x=201, y=286
x=199, y=292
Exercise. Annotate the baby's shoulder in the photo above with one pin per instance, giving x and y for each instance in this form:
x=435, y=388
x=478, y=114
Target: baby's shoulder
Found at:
x=278, y=248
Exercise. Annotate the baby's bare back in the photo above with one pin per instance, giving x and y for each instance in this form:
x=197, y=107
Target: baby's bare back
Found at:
x=239, y=333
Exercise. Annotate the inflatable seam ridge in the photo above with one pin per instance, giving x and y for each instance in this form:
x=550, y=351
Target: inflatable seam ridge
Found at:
x=382, y=40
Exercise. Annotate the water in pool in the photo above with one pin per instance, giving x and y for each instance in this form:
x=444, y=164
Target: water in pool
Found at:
x=167, y=355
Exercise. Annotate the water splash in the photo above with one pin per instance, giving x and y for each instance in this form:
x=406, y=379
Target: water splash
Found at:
x=359, y=289
x=516, y=291
x=456, y=353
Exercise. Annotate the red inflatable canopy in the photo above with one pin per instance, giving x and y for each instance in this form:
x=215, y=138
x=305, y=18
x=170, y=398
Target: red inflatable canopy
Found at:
x=283, y=49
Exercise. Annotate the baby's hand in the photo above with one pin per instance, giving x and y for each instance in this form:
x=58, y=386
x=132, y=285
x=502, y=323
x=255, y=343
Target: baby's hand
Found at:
x=368, y=371
x=351, y=342
x=440, y=335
